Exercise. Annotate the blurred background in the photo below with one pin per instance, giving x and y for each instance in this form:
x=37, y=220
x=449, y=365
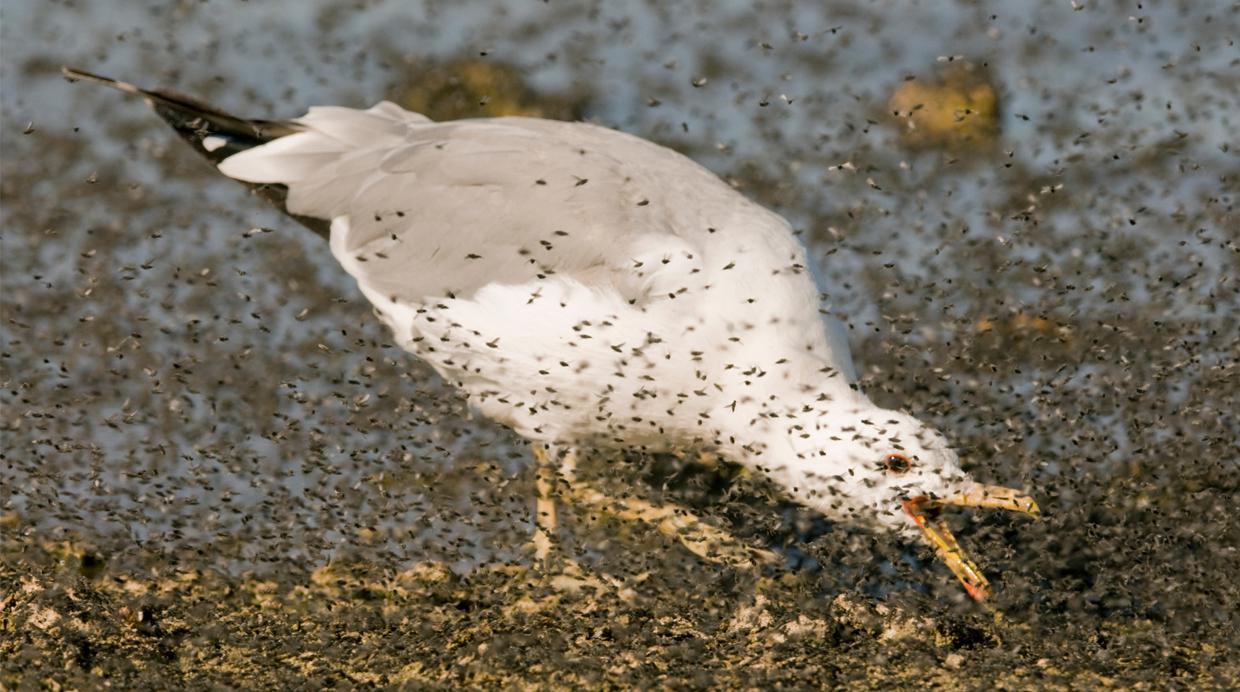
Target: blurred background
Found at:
x=1025, y=212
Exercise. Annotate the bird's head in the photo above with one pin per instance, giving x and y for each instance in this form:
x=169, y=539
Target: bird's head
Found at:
x=882, y=468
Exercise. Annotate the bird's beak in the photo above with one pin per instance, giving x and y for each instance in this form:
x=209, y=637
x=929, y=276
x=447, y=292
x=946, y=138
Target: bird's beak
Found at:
x=924, y=511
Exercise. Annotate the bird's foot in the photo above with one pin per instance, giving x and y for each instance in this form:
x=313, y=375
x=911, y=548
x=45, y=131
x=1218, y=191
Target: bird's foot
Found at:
x=696, y=534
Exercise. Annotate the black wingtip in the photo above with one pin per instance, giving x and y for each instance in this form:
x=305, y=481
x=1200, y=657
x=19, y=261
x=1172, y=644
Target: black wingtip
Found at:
x=75, y=75
x=214, y=134
x=192, y=118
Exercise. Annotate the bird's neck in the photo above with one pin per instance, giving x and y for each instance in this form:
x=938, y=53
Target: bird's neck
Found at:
x=772, y=426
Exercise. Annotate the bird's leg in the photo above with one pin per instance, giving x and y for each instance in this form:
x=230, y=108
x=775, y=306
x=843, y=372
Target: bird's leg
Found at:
x=673, y=521
x=544, y=503
x=700, y=537
x=561, y=570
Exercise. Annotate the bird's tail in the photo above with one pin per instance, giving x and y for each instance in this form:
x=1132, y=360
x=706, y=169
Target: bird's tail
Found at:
x=214, y=134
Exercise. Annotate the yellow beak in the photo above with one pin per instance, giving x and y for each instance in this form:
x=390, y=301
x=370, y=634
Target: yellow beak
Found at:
x=922, y=510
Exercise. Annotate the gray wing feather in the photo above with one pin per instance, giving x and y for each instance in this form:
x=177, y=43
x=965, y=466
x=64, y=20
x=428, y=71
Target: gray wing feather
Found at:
x=442, y=209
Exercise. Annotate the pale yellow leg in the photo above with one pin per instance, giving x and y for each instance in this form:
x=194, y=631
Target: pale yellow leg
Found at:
x=701, y=538
x=544, y=503
x=562, y=572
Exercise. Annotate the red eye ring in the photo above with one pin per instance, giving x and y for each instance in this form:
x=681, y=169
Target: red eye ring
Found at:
x=896, y=463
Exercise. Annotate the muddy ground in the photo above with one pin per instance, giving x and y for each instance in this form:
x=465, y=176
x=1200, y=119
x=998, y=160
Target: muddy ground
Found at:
x=217, y=472
x=352, y=624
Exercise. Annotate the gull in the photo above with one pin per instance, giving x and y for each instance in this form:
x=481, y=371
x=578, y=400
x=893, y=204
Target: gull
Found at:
x=596, y=292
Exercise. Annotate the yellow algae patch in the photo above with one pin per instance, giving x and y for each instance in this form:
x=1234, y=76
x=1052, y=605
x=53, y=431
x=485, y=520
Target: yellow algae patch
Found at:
x=1021, y=324
x=477, y=88
x=960, y=106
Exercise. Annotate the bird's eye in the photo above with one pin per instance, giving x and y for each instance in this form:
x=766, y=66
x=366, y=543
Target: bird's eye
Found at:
x=896, y=463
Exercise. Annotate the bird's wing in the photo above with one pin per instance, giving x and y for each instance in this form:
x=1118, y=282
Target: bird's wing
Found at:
x=443, y=209
x=423, y=211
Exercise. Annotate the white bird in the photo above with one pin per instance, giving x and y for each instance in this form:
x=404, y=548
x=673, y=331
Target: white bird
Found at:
x=594, y=291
